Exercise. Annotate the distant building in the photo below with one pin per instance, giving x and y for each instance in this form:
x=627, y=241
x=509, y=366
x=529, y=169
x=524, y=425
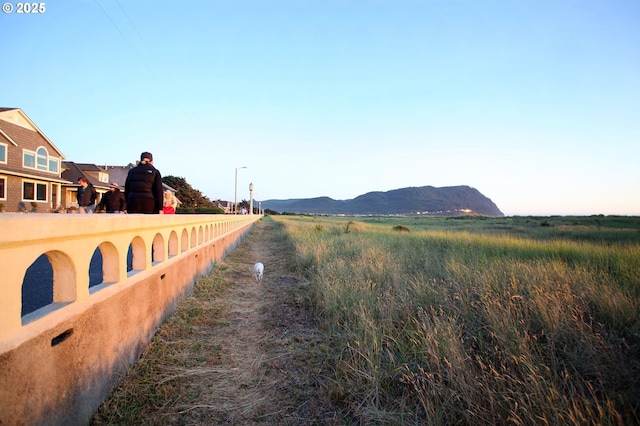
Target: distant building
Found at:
x=227, y=206
x=118, y=174
x=96, y=175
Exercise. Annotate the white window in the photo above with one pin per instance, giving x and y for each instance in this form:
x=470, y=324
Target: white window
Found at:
x=29, y=159
x=3, y=187
x=54, y=165
x=3, y=153
x=103, y=177
x=40, y=160
x=34, y=191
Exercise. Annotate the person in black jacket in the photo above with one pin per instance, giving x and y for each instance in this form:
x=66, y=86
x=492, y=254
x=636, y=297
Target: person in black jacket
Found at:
x=113, y=201
x=143, y=187
x=86, y=196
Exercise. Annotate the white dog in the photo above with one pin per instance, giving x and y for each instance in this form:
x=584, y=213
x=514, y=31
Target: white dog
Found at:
x=258, y=270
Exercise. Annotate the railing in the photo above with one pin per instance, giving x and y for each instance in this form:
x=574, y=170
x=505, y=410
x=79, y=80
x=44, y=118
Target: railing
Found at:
x=113, y=318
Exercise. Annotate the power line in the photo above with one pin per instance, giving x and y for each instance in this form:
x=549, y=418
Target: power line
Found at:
x=123, y=36
x=135, y=28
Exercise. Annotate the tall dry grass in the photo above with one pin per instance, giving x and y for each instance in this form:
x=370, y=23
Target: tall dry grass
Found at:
x=457, y=327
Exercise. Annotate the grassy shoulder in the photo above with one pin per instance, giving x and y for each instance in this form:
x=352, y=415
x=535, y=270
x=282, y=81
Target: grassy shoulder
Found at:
x=235, y=352
x=157, y=388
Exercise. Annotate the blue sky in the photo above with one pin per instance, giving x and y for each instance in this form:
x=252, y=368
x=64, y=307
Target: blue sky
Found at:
x=534, y=103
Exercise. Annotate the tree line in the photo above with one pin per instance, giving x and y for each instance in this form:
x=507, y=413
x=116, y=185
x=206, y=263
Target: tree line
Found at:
x=192, y=200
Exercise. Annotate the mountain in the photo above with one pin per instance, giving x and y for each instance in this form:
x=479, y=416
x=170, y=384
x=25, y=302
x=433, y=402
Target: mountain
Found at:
x=427, y=200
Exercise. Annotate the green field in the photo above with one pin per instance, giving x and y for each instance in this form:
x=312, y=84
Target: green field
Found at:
x=473, y=320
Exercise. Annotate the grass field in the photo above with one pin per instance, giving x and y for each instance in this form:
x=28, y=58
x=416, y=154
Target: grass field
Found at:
x=518, y=320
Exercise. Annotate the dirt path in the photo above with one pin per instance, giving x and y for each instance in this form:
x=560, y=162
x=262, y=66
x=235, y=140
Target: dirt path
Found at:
x=236, y=352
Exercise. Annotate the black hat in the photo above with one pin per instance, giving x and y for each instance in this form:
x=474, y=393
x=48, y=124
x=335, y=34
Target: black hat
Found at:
x=146, y=155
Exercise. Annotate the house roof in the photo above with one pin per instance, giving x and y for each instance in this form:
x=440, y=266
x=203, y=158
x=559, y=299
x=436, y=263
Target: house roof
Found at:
x=118, y=174
x=74, y=171
x=89, y=167
x=17, y=132
x=17, y=117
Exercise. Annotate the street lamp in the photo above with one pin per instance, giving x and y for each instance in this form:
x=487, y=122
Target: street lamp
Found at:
x=235, y=197
x=251, y=198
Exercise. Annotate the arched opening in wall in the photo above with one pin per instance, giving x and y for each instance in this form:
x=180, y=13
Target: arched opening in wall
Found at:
x=137, y=252
x=104, y=268
x=95, y=269
x=157, y=249
x=200, y=235
x=129, y=259
x=37, y=285
x=193, y=237
x=185, y=240
x=48, y=284
x=173, y=244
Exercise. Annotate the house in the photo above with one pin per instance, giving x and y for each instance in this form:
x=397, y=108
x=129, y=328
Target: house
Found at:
x=101, y=177
x=30, y=166
x=227, y=206
x=97, y=176
x=34, y=176
x=118, y=174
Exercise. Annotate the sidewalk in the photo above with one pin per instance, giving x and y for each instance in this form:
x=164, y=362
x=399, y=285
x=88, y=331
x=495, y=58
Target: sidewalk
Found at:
x=236, y=352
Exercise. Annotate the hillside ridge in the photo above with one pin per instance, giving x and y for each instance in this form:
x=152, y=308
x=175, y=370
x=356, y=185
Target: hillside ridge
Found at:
x=423, y=200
